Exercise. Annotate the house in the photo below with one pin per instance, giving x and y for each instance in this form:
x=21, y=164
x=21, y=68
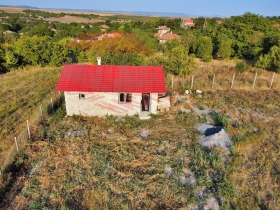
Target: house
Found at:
x=99, y=90
x=167, y=37
x=111, y=35
x=187, y=23
x=162, y=30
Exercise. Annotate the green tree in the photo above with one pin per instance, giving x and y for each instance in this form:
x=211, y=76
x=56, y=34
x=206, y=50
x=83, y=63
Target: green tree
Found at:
x=33, y=50
x=179, y=62
x=204, y=48
x=271, y=60
x=11, y=59
x=224, y=49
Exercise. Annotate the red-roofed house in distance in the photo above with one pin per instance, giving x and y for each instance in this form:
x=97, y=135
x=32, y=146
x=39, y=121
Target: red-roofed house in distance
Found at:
x=99, y=90
x=187, y=23
x=167, y=37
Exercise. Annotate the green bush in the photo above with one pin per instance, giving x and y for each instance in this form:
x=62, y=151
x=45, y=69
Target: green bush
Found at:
x=241, y=66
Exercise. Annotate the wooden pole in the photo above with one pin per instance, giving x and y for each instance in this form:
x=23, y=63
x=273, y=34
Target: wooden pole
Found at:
x=16, y=143
x=0, y=171
x=255, y=80
x=271, y=83
x=192, y=82
x=41, y=111
x=233, y=77
x=52, y=104
x=172, y=82
x=28, y=130
x=213, y=81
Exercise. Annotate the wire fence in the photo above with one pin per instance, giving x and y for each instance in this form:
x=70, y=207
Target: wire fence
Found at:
x=220, y=80
x=23, y=134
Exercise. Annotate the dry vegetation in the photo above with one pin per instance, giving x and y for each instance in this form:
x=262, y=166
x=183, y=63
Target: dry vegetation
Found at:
x=22, y=92
x=125, y=163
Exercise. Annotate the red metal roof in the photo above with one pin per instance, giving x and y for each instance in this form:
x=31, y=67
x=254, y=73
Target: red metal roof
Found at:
x=105, y=78
x=169, y=37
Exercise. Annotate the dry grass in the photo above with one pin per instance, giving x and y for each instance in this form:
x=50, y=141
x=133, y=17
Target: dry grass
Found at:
x=70, y=19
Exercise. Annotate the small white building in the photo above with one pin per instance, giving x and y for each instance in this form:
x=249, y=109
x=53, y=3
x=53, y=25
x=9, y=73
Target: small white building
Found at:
x=98, y=90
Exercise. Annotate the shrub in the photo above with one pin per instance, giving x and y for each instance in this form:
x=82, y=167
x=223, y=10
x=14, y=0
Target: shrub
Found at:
x=241, y=66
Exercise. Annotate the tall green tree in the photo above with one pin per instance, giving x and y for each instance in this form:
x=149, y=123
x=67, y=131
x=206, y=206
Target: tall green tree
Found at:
x=179, y=62
x=271, y=60
x=224, y=49
x=204, y=48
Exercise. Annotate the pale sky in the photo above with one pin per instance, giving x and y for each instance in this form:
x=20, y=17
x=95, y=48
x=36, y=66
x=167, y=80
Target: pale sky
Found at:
x=224, y=8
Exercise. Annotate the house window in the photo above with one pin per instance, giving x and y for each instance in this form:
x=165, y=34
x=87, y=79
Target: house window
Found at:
x=125, y=97
x=82, y=96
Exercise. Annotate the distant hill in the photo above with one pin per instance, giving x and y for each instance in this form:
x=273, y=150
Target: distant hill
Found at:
x=22, y=6
x=162, y=14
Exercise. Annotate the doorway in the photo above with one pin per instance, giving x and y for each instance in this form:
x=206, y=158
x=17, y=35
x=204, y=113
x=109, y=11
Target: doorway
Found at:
x=145, y=102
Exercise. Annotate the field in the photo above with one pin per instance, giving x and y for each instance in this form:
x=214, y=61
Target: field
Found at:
x=22, y=93
x=126, y=163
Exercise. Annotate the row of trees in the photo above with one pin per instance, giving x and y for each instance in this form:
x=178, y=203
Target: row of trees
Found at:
x=250, y=37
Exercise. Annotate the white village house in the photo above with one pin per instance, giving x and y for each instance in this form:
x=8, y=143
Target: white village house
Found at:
x=98, y=90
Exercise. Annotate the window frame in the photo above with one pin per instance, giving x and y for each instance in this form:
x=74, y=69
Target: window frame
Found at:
x=82, y=96
x=125, y=98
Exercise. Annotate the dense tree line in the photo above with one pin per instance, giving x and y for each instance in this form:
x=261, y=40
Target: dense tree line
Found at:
x=40, y=43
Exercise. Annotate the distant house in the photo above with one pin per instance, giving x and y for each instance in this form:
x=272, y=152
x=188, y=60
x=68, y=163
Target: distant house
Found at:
x=162, y=30
x=167, y=37
x=98, y=90
x=104, y=27
x=110, y=35
x=187, y=23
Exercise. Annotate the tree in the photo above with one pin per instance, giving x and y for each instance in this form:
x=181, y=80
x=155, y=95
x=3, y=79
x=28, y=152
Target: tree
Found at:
x=204, y=48
x=179, y=62
x=271, y=60
x=34, y=50
x=224, y=49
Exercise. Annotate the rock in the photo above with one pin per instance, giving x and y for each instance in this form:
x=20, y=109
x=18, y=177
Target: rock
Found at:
x=220, y=139
x=144, y=134
x=183, y=110
x=110, y=131
x=168, y=171
x=211, y=204
x=189, y=177
x=193, y=207
x=187, y=92
x=198, y=91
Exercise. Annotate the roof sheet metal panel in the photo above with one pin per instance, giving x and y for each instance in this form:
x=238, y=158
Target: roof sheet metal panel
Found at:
x=105, y=78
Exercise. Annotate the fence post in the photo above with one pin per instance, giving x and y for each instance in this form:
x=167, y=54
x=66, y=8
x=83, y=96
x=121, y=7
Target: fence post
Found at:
x=192, y=82
x=41, y=111
x=28, y=130
x=213, y=81
x=16, y=143
x=233, y=77
x=52, y=103
x=255, y=80
x=271, y=83
x=172, y=82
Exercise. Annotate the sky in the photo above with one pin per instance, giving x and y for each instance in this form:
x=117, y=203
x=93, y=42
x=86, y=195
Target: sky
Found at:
x=223, y=8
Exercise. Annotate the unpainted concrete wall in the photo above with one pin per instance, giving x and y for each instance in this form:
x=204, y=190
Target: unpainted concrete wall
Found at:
x=101, y=104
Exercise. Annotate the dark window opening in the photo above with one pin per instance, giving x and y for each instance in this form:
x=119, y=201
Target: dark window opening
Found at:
x=82, y=96
x=125, y=97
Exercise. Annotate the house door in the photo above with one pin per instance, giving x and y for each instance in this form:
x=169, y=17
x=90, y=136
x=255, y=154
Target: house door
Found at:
x=145, y=102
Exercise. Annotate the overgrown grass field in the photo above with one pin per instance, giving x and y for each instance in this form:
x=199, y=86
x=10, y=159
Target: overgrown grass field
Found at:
x=125, y=163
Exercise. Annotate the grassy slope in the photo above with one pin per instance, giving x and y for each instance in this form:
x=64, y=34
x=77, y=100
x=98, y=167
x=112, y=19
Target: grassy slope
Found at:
x=21, y=93
x=107, y=165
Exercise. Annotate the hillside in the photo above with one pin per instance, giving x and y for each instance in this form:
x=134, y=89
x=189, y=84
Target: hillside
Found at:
x=125, y=163
x=22, y=94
